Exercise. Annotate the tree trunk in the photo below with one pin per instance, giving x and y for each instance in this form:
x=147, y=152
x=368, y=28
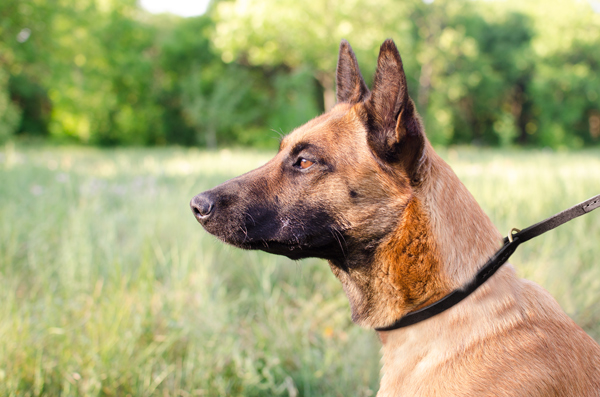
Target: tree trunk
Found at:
x=425, y=85
x=327, y=83
x=211, y=137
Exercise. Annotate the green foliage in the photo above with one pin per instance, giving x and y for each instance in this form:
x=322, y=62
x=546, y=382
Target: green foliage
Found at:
x=32, y=98
x=294, y=103
x=109, y=287
x=107, y=73
x=480, y=73
x=9, y=113
x=209, y=102
x=474, y=67
x=295, y=34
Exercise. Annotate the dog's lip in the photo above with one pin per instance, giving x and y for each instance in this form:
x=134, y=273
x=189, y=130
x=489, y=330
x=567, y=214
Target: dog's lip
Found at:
x=264, y=244
x=293, y=250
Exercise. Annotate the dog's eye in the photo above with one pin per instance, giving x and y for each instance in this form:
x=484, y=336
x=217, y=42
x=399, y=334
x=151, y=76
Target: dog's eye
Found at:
x=304, y=163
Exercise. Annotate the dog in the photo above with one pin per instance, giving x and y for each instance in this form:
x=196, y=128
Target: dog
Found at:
x=362, y=187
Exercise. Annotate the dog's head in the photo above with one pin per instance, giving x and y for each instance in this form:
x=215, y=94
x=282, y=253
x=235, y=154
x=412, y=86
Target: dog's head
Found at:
x=339, y=183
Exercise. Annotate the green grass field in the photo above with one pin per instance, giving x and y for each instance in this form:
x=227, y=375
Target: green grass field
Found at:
x=109, y=287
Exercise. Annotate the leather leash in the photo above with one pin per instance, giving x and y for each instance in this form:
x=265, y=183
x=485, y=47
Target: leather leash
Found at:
x=511, y=242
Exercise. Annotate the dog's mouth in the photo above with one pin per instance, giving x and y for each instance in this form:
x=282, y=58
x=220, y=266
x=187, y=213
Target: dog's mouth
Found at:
x=326, y=245
x=292, y=251
x=308, y=232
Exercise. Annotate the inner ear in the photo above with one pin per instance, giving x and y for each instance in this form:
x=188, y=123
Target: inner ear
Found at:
x=351, y=87
x=395, y=130
x=390, y=93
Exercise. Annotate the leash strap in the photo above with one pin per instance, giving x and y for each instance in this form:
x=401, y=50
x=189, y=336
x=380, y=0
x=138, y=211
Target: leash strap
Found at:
x=511, y=242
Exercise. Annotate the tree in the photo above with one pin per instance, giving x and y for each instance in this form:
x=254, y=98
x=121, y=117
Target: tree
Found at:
x=566, y=83
x=10, y=114
x=292, y=33
x=25, y=52
x=105, y=72
x=215, y=104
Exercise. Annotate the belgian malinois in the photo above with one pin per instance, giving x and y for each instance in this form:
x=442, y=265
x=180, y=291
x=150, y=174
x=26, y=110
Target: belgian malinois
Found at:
x=361, y=187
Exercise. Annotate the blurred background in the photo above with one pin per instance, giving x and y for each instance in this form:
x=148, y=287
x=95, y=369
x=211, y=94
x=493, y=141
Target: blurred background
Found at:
x=114, y=114
x=106, y=72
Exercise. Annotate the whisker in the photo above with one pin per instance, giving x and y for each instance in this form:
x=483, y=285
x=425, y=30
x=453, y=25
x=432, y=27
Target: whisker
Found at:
x=339, y=238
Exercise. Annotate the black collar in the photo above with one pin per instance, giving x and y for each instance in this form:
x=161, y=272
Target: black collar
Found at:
x=500, y=257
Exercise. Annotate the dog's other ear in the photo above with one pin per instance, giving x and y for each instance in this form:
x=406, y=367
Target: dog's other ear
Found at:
x=395, y=130
x=351, y=87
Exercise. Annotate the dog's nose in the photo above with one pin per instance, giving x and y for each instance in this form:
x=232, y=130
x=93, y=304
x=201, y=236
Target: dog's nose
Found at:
x=202, y=206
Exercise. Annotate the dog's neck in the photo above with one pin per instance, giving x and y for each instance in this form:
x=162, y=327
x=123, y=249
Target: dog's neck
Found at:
x=441, y=240
x=464, y=235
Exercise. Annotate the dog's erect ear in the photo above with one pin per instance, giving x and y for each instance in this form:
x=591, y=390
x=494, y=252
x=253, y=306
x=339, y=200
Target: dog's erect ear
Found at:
x=395, y=130
x=351, y=87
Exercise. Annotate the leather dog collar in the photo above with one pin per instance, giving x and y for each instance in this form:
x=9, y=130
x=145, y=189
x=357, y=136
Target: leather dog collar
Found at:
x=511, y=242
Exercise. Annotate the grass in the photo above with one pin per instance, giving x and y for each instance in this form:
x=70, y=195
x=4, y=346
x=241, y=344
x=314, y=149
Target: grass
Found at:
x=109, y=287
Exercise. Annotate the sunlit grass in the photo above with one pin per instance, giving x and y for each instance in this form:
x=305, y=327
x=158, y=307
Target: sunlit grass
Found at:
x=108, y=286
